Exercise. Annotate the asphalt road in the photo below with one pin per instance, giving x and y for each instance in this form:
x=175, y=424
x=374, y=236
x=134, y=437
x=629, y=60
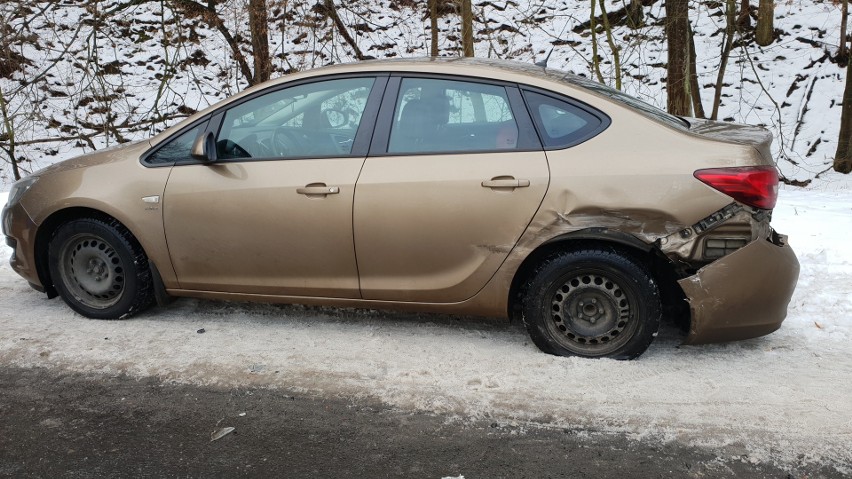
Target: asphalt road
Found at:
x=65, y=425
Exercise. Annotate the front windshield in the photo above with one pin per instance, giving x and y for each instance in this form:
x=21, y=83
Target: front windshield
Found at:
x=623, y=98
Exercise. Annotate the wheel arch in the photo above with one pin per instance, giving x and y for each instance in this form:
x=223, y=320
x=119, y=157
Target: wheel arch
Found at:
x=58, y=218
x=660, y=266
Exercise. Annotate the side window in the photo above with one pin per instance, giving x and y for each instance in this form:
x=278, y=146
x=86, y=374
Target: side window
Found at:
x=310, y=120
x=561, y=124
x=442, y=116
x=177, y=149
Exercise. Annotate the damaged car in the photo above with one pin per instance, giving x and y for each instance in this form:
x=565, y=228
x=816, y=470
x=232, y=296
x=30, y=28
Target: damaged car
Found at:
x=459, y=186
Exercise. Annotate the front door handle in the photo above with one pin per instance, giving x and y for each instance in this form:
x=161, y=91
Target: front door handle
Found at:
x=318, y=190
x=505, y=183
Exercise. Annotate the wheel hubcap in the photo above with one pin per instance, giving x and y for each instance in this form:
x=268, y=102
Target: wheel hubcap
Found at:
x=590, y=309
x=92, y=271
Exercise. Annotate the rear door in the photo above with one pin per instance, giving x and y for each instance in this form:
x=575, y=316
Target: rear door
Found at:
x=455, y=175
x=273, y=215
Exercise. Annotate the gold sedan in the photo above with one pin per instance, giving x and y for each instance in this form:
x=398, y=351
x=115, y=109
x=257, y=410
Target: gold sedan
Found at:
x=449, y=185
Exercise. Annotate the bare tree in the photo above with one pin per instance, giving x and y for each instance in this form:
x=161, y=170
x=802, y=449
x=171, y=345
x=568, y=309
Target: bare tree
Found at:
x=843, y=51
x=694, y=87
x=8, y=137
x=433, y=25
x=765, y=30
x=259, y=26
x=677, y=38
x=616, y=58
x=843, y=156
x=635, y=14
x=467, y=28
x=208, y=13
x=744, y=18
x=727, y=46
x=596, y=63
x=331, y=10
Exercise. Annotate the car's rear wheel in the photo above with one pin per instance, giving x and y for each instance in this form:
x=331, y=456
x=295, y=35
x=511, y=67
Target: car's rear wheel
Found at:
x=592, y=303
x=99, y=269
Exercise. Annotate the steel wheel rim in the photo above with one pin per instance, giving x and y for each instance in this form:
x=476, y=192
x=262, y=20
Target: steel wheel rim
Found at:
x=92, y=271
x=591, y=312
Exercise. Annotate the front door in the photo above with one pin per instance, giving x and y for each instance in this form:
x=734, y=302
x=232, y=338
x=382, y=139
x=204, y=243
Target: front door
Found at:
x=273, y=215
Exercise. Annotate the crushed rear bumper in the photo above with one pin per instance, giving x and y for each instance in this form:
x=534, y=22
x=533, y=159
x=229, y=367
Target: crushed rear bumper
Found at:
x=742, y=295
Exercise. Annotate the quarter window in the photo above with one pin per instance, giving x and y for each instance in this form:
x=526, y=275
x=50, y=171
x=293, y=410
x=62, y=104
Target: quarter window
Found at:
x=177, y=149
x=560, y=123
x=444, y=116
x=313, y=120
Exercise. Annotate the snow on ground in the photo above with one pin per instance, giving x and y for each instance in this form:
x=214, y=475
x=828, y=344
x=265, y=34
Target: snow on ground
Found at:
x=781, y=398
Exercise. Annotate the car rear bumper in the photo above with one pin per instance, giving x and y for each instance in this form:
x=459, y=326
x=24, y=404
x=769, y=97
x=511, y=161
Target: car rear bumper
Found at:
x=742, y=295
x=20, y=233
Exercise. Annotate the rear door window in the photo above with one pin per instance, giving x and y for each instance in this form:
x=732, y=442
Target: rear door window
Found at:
x=439, y=116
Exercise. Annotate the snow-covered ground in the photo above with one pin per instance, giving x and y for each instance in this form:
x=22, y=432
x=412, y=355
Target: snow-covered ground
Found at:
x=782, y=398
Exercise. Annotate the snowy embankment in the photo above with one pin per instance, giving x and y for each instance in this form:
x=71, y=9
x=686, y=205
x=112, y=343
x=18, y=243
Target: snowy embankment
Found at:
x=784, y=397
x=165, y=66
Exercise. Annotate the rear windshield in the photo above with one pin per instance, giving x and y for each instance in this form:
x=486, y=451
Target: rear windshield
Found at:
x=623, y=98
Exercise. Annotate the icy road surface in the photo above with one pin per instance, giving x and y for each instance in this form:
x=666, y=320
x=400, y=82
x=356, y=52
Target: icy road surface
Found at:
x=784, y=398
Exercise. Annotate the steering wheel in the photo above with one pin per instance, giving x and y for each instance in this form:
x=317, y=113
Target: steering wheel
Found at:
x=286, y=142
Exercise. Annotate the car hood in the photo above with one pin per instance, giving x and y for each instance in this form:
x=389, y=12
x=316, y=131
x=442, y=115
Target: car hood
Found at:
x=107, y=155
x=758, y=137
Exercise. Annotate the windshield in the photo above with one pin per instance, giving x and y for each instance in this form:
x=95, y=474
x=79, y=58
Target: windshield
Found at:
x=623, y=98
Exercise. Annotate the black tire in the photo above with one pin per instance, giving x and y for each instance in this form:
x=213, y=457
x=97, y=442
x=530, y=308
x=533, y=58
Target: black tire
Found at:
x=99, y=269
x=592, y=303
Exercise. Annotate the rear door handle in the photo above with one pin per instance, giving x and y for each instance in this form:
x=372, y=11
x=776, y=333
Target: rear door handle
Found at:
x=317, y=190
x=506, y=183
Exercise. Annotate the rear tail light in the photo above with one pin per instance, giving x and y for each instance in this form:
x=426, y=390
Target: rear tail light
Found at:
x=752, y=185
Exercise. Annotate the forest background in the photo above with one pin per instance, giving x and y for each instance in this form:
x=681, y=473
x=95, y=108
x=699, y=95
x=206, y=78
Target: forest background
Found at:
x=82, y=76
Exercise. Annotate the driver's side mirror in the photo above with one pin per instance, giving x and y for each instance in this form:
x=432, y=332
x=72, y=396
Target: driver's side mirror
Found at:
x=204, y=148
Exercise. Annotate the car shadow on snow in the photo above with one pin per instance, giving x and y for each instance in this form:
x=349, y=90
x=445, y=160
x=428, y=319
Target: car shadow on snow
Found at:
x=265, y=314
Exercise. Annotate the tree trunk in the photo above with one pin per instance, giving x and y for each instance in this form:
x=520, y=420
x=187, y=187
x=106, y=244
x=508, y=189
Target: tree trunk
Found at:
x=842, y=51
x=677, y=70
x=433, y=24
x=331, y=11
x=744, y=18
x=616, y=58
x=467, y=28
x=596, y=64
x=727, y=46
x=635, y=14
x=765, y=30
x=207, y=13
x=259, y=26
x=843, y=157
x=10, y=137
x=694, y=88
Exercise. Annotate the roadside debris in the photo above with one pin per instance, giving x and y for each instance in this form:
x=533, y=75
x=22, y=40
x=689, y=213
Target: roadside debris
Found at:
x=220, y=433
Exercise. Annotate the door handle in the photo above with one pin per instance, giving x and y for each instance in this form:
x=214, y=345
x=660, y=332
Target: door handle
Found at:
x=505, y=183
x=317, y=190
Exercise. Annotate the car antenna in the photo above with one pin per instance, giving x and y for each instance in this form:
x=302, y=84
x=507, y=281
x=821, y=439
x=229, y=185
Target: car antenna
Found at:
x=543, y=63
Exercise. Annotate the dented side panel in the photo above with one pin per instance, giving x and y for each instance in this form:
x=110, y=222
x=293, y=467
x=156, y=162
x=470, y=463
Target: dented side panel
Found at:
x=743, y=295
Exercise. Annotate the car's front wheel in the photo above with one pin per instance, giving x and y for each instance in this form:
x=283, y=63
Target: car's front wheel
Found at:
x=592, y=303
x=99, y=269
